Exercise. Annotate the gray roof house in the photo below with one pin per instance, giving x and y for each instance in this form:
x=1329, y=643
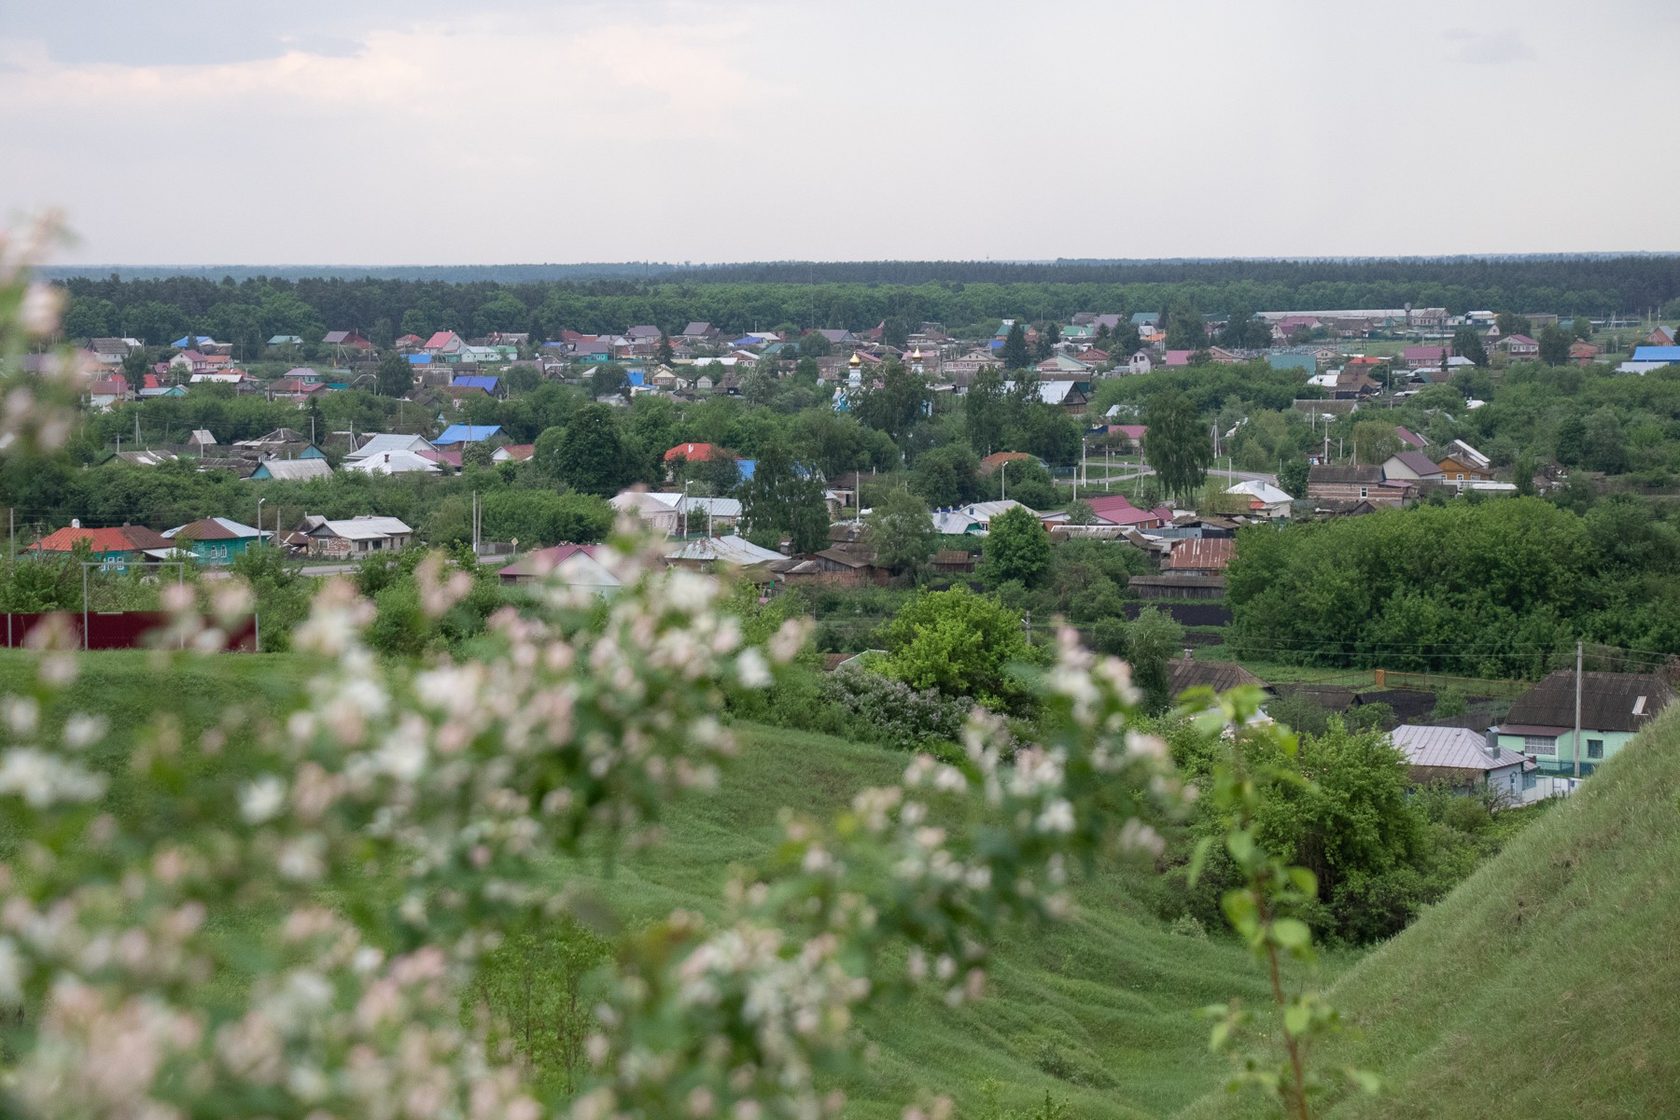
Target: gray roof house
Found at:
x=1413, y=466
x=1465, y=760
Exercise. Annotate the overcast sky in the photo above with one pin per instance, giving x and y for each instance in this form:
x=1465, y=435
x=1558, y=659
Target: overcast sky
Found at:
x=433, y=132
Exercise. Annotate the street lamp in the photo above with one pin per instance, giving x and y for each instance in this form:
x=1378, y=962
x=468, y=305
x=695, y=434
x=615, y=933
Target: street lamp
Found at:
x=686, y=483
x=260, y=502
x=1003, y=480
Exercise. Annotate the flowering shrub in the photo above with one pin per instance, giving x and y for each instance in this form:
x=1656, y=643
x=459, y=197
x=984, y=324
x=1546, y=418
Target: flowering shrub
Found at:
x=889, y=711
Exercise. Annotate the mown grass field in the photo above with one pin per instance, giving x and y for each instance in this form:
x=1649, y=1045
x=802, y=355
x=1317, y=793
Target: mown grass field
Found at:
x=1098, y=1012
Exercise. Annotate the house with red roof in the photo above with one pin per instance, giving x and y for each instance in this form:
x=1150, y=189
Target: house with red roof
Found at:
x=513, y=453
x=1583, y=353
x=1519, y=346
x=572, y=564
x=297, y=389
x=347, y=340
x=446, y=345
x=697, y=453
x=104, y=392
x=118, y=545
x=993, y=462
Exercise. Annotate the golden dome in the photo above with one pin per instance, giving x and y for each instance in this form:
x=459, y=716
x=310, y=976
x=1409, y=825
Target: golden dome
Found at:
x=856, y=361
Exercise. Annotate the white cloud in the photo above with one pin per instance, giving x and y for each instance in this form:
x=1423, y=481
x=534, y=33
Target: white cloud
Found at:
x=1489, y=48
x=420, y=131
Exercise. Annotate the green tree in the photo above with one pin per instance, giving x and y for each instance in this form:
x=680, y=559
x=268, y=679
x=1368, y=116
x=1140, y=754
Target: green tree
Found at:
x=1186, y=329
x=608, y=380
x=89, y=317
x=1152, y=640
x=1292, y=476
x=1015, y=354
x=815, y=344
x=986, y=412
x=1017, y=548
x=1510, y=323
x=1047, y=339
x=1570, y=446
x=1126, y=342
x=1606, y=442
x=395, y=377
x=946, y=476
x=960, y=644
x=1582, y=327
x=895, y=332
x=1179, y=447
x=541, y=517
x=897, y=405
x=1374, y=441
x=1554, y=345
x=1467, y=343
x=900, y=530
x=135, y=367
x=588, y=454
x=664, y=355
x=785, y=499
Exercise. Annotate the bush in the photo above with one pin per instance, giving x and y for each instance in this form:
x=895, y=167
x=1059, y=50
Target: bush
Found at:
x=893, y=713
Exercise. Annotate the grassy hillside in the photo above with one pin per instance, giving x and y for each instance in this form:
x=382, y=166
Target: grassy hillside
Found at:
x=1545, y=985
x=1098, y=1012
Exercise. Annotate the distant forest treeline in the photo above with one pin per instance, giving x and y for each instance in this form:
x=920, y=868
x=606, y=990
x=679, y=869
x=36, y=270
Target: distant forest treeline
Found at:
x=747, y=296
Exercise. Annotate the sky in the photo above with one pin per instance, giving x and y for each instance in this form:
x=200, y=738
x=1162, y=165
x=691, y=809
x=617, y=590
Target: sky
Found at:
x=501, y=131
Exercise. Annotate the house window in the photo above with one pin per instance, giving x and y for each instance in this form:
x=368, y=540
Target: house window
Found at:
x=1539, y=744
x=1364, y=491
x=1595, y=748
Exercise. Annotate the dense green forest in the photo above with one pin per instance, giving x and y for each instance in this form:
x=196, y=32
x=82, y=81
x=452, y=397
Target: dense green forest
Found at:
x=744, y=297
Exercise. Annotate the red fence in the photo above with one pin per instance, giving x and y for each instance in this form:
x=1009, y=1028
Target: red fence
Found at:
x=120, y=630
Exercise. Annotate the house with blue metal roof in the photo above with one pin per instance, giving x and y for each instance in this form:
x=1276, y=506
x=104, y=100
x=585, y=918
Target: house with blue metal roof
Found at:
x=1304, y=362
x=1656, y=353
x=1142, y=319
x=467, y=433
x=488, y=382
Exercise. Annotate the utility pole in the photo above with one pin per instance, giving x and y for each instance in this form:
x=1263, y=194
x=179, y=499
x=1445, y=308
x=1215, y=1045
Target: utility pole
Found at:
x=1577, y=748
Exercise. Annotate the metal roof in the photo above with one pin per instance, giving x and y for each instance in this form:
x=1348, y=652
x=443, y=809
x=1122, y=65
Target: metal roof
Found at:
x=1450, y=748
x=733, y=550
x=468, y=433
x=382, y=442
x=295, y=470
x=365, y=528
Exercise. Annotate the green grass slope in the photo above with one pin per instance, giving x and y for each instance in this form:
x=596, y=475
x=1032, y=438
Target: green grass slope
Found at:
x=1098, y=1012
x=1548, y=984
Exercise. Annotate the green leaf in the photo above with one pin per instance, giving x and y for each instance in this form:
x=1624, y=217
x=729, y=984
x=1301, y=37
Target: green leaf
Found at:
x=1198, y=858
x=1291, y=933
x=1241, y=846
x=1297, y=1018
x=1305, y=881
x=1367, y=1081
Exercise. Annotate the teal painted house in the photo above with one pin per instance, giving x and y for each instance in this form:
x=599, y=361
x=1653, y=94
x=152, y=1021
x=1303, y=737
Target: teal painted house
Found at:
x=213, y=540
x=1614, y=708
